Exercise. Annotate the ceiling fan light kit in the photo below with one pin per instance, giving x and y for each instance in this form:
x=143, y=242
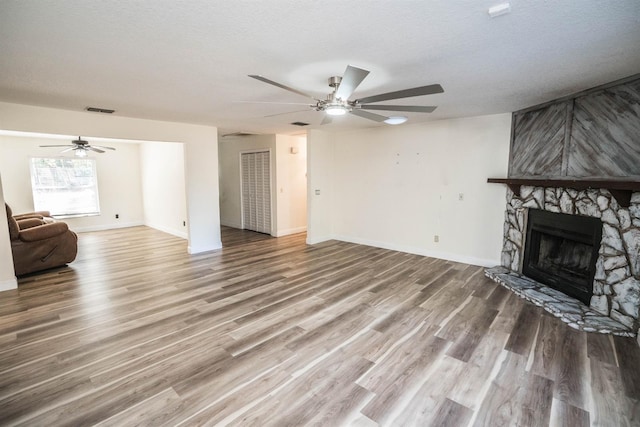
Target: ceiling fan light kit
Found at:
x=335, y=110
x=337, y=102
x=396, y=120
x=499, y=9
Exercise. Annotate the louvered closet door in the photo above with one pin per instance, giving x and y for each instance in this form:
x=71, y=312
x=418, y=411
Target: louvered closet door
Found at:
x=256, y=191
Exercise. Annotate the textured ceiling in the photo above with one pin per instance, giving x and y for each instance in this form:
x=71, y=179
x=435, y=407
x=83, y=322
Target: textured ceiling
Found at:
x=188, y=61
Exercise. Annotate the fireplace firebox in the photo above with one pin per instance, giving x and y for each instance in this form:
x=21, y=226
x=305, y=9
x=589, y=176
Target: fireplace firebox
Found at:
x=561, y=251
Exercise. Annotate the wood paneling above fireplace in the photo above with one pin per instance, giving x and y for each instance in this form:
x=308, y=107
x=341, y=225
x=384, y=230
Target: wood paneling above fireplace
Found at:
x=594, y=134
x=537, y=145
x=605, y=133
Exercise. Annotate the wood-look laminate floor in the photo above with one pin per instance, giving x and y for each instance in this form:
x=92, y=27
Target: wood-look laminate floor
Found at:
x=274, y=332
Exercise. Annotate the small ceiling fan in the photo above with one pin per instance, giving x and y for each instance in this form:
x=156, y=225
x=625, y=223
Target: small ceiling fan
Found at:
x=337, y=102
x=81, y=148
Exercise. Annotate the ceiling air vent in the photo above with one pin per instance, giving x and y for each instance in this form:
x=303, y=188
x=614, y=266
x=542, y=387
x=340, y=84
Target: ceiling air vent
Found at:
x=300, y=124
x=100, y=110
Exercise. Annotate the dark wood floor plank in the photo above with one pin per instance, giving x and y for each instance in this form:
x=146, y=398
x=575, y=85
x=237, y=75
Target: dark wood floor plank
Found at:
x=452, y=414
x=524, y=330
x=482, y=286
x=329, y=380
x=510, y=309
x=628, y=354
x=402, y=372
x=152, y=411
x=548, y=346
x=563, y=414
x=571, y=384
x=201, y=411
x=471, y=389
x=272, y=331
x=536, y=402
x=520, y=396
x=612, y=404
x=423, y=406
x=601, y=348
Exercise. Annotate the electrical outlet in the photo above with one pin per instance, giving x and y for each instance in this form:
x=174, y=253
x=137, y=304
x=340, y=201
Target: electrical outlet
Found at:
x=436, y=238
x=117, y=216
x=317, y=192
x=460, y=196
x=184, y=223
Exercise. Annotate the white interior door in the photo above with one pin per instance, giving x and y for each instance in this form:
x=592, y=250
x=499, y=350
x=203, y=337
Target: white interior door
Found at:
x=256, y=191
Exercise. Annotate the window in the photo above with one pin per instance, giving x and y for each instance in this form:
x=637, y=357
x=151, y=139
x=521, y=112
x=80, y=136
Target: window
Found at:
x=65, y=186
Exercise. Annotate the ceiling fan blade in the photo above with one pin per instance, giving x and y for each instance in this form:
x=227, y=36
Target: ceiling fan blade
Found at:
x=327, y=119
x=410, y=108
x=102, y=147
x=287, y=112
x=281, y=86
x=368, y=115
x=352, y=77
x=65, y=145
x=97, y=150
x=67, y=149
x=407, y=93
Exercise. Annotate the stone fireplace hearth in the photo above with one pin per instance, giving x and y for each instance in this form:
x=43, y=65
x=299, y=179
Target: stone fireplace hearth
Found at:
x=616, y=285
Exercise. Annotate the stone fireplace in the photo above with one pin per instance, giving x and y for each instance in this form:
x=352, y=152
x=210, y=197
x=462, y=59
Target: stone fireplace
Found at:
x=572, y=223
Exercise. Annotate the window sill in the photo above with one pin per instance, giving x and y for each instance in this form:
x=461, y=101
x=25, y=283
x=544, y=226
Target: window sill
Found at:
x=67, y=216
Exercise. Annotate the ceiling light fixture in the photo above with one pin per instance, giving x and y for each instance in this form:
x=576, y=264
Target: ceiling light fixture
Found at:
x=499, y=9
x=80, y=152
x=335, y=110
x=396, y=120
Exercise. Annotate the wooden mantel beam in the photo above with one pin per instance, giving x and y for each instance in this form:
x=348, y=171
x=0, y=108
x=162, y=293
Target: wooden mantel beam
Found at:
x=621, y=190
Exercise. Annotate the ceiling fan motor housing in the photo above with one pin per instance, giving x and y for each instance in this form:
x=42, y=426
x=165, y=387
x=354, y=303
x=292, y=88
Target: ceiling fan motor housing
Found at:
x=335, y=81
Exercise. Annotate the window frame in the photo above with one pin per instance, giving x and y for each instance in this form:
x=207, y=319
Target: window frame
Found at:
x=55, y=209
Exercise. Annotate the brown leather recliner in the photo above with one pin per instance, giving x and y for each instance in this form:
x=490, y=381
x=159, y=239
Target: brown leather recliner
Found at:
x=37, y=244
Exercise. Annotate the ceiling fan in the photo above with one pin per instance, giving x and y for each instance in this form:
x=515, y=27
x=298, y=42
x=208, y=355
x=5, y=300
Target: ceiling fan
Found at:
x=337, y=102
x=81, y=148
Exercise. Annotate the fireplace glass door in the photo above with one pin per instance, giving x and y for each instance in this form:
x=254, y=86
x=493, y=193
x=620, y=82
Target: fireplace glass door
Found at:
x=561, y=251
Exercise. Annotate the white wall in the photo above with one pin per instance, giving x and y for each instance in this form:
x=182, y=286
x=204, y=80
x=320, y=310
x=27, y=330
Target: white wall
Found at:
x=201, y=155
x=163, y=187
x=118, y=175
x=291, y=183
x=398, y=187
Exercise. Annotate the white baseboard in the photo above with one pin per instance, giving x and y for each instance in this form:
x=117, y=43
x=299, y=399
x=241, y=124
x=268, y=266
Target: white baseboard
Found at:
x=421, y=251
x=106, y=226
x=173, y=232
x=9, y=284
x=291, y=231
x=192, y=250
